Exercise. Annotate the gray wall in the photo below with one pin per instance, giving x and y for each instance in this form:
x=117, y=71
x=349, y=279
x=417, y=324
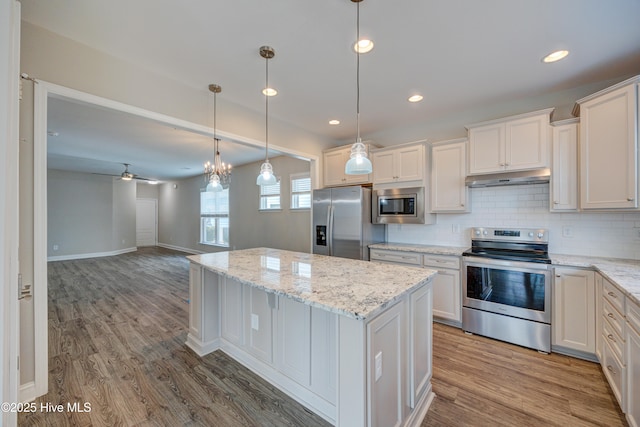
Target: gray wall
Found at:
x=146, y=191
x=179, y=212
x=89, y=214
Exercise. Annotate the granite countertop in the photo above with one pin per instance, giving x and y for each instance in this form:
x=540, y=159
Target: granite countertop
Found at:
x=625, y=274
x=425, y=249
x=353, y=288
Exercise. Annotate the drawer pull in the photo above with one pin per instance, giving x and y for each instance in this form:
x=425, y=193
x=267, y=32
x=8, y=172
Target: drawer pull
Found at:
x=611, y=316
x=613, y=371
x=611, y=338
x=611, y=294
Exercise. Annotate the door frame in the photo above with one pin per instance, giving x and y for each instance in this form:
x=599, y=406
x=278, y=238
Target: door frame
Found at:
x=42, y=91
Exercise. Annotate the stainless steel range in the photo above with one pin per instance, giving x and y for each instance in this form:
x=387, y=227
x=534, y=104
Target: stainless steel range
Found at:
x=507, y=286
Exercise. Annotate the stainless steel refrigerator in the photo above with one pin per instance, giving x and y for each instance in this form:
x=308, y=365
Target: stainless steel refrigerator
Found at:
x=342, y=222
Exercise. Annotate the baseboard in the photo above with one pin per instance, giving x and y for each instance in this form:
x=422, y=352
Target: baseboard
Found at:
x=181, y=249
x=27, y=392
x=590, y=357
x=91, y=255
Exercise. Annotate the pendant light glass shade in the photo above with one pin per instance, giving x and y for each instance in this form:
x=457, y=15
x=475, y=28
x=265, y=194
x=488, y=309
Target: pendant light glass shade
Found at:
x=359, y=163
x=266, y=176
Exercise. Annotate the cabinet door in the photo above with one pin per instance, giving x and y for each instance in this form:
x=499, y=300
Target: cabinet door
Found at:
x=564, y=168
x=527, y=142
x=383, y=167
x=195, y=301
x=574, y=310
x=448, y=172
x=324, y=354
x=446, y=295
x=633, y=377
x=486, y=149
x=409, y=164
x=333, y=170
x=420, y=347
x=232, y=311
x=259, y=323
x=294, y=340
x=608, y=157
x=385, y=362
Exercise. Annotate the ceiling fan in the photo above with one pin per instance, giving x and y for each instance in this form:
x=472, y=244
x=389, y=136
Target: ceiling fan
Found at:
x=128, y=176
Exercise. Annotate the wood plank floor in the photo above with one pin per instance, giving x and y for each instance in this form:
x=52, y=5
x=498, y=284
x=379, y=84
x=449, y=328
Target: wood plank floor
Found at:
x=117, y=328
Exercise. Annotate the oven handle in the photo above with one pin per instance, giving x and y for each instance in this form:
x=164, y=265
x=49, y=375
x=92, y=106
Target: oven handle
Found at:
x=488, y=262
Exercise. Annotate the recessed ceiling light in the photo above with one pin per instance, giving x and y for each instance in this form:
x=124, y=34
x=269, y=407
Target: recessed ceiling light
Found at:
x=334, y=122
x=363, y=46
x=269, y=91
x=415, y=98
x=555, y=56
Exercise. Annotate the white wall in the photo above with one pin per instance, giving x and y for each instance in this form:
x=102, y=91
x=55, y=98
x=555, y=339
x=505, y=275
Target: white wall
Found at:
x=146, y=191
x=592, y=234
x=89, y=214
x=179, y=212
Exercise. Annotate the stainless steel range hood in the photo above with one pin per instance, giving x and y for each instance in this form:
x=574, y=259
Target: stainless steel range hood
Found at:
x=536, y=176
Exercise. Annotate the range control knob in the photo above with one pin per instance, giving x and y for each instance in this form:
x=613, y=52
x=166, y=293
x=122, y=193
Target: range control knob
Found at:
x=540, y=235
x=485, y=232
x=531, y=234
x=477, y=232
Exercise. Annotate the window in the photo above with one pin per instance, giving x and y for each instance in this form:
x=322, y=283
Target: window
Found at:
x=214, y=218
x=270, y=197
x=300, y=191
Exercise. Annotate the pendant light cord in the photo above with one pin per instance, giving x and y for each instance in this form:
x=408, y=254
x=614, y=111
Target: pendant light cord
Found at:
x=358, y=71
x=266, y=116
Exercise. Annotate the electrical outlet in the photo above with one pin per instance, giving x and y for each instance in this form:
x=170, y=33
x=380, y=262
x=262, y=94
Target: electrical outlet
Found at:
x=455, y=228
x=378, y=365
x=567, y=231
x=56, y=247
x=255, y=322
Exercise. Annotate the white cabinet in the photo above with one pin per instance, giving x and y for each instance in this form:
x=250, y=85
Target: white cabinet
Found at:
x=599, y=319
x=563, y=192
x=608, y=148
x=399, y=164
x=633, y=363
x=447, y=300
x=613, y=345
x=259, y=322
x=232, y=312
x=449, y=192
x=512, y=143
x=420, y=345
x=573, y=323
x=334, y=161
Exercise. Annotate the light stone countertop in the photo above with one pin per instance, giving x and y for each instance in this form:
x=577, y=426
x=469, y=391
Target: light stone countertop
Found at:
x=625, y=274
x=353, y=288
x=425, y=249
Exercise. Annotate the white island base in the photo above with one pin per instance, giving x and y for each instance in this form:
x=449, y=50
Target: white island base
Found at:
x=371, y=371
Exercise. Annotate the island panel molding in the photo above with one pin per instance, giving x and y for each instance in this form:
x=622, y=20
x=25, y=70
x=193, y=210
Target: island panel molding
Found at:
x=366, y=319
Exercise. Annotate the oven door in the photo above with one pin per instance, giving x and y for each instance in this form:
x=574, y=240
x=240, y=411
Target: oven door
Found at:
x=517, y=289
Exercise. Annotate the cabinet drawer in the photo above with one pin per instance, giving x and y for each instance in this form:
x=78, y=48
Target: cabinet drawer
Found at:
x=614, y=371
x=633, y=316
x=613, y=316
x=441, y=261
x=612, y=338
x=397, y=257
x=613, y=295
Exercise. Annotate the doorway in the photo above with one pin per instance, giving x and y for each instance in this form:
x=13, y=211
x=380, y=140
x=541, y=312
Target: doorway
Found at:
x=146, y=222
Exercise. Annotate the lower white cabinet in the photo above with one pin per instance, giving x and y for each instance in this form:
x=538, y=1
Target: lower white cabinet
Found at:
x=633, y=363
x=447, y=288
x=574, y=314
x=258, y=319
x=232, y=311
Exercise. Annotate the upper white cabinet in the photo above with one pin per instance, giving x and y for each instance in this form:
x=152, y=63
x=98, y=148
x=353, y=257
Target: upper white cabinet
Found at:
x=333, y=163
x=563, y=192
x=448, y=171
x=399, y=164
x=608, y=147
x=513, y=143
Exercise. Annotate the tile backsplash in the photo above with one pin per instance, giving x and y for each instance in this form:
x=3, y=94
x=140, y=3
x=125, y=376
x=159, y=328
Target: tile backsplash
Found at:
x=605, y=234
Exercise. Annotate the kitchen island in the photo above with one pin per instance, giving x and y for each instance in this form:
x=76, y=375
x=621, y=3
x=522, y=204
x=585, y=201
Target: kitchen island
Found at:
x=351, y=340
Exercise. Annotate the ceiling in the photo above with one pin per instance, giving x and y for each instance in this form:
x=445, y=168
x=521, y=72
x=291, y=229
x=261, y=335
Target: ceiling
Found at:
x=461, y=55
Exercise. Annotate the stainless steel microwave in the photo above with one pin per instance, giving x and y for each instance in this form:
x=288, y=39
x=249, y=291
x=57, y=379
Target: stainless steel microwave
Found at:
x=398, y=206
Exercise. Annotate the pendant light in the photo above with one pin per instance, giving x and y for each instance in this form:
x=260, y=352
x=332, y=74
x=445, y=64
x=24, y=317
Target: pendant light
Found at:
x=266, y=176
x=217, y=174
x=359, y=163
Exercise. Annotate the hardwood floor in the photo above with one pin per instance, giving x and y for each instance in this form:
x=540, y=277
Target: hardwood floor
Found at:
x=117, y=328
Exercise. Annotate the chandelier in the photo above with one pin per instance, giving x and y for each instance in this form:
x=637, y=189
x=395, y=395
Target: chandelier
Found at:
x=217, y=175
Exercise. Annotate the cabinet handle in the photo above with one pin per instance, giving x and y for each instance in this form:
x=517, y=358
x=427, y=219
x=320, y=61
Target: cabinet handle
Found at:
x=462, y=205
x=558, y=276
x=611, y=294
x=612, y=370
x=629, y=199
x=556, y=203
x=610, y=315
x=611, y=338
